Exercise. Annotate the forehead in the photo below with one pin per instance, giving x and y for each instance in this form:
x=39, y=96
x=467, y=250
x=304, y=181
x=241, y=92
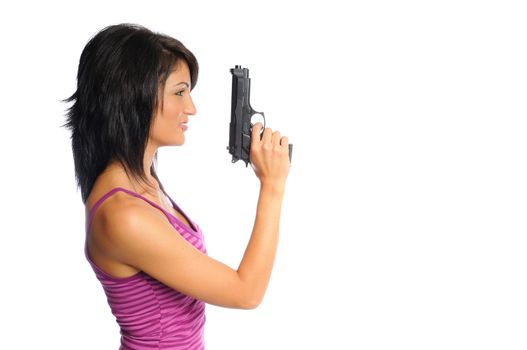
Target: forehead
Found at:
x=179, y=73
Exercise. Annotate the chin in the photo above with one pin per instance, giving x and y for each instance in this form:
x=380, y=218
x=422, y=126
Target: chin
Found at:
x=174, y=139
x=179, y=142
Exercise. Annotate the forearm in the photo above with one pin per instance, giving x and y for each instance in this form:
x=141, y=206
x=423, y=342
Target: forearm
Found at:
x=257, y=263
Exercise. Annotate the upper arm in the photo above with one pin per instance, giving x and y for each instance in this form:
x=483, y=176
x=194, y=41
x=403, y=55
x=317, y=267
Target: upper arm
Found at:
x=142, y=239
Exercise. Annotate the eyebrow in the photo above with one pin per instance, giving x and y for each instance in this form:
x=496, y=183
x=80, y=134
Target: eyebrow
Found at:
x=183, y=82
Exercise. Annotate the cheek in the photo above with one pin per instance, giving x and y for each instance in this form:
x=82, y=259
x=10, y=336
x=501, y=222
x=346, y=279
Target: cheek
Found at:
x=165, y=124
x=171, y=113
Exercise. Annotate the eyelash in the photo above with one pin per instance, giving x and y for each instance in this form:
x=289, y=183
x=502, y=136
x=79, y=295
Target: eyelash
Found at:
x=180, y=93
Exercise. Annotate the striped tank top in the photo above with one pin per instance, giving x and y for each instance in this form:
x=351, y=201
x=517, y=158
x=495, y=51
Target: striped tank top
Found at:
x=150, y=314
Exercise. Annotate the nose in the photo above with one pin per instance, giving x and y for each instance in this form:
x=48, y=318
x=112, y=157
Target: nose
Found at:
x=190, y=109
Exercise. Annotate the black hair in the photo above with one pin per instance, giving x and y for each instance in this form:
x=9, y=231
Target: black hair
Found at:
x=122, y=70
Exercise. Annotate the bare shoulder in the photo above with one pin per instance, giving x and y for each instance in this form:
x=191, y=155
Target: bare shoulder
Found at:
x=119, y=206
x=122, y=221
x=133, y=220
x=117, y=232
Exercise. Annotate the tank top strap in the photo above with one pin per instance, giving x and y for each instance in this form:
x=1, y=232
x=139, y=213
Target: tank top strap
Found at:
x=111, y=192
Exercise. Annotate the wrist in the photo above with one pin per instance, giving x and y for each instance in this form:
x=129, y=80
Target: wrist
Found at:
x=272, y=187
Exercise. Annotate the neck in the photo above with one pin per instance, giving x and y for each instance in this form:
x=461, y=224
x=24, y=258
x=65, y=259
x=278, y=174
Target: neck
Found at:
x=116, y=173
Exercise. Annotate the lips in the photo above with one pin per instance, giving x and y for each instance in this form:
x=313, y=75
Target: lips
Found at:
x=184, y=127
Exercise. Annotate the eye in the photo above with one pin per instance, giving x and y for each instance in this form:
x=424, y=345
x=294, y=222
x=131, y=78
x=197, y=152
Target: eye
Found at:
x=180, y=93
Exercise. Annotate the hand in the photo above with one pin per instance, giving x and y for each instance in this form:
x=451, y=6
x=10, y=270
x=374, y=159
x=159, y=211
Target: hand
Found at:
x=269, y=156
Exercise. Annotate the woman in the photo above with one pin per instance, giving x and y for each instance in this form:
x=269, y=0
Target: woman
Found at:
x=133, y=97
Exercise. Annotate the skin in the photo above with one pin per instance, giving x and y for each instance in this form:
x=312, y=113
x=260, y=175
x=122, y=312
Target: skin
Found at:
x=128, y=235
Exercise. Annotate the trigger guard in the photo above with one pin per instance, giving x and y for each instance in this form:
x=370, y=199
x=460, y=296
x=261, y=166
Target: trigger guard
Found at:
x=264, y=123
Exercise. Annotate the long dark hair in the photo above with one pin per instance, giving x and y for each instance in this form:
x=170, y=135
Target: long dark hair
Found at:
x=122, y=70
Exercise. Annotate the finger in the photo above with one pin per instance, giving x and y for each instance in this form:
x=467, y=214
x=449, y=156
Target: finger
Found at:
x=276, y=138
x=284, y=142
x=256, y=131
x=255, y=137
x=267, y=135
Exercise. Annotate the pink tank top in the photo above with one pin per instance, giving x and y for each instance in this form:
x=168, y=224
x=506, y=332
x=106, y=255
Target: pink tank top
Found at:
x=150, y=314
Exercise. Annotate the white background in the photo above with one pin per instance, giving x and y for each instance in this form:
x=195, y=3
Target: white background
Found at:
x=404, y=223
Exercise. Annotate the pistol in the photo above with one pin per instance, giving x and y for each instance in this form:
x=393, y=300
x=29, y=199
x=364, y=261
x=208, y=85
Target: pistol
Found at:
x=240, y=128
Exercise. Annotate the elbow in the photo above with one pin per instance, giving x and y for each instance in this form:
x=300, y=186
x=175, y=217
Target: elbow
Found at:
x=250, y=303
x=250, y=298
x=250, y=293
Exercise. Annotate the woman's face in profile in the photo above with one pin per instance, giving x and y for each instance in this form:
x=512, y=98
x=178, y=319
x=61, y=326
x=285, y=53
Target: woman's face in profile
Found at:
x=170, y=122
